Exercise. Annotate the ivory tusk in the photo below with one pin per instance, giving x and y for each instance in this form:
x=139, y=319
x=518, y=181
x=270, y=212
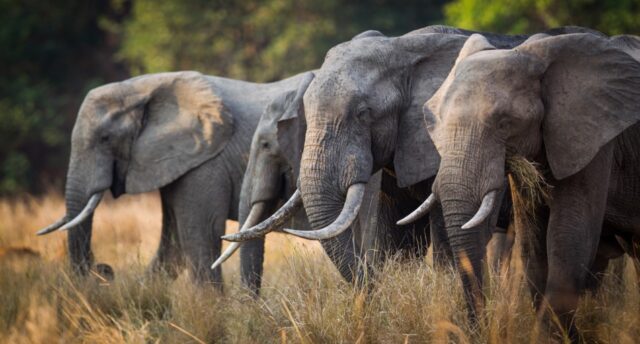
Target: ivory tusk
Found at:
x=484, y=211
x=256, y=211
x=422, y=210
x=85, y=213
x=349, y=213
x=272, y=223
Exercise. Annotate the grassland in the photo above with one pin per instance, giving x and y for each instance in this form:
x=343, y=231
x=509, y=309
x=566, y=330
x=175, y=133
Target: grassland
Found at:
x=304, y=300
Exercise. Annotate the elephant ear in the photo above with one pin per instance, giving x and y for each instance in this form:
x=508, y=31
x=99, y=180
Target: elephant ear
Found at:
x=368, y=33
x=184, y=124
x=291, y=126
x=416, y=157
x=591, y=89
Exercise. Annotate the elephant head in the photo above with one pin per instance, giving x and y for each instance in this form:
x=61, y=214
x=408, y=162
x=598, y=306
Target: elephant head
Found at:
x=271, y=175
x=363, y=113
x=136, y=136
x=556, y=100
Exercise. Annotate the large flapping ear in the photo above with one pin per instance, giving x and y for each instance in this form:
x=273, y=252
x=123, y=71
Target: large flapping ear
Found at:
x=292, y=125
x=591, y=92
x=433, y=55
x=184, y=124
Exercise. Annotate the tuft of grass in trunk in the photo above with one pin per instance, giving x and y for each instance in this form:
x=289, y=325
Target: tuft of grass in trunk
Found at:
x=529, y=187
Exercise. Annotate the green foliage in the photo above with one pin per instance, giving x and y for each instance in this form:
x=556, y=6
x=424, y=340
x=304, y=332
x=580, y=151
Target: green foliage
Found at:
x=50, y=54
x=256, y=40
x=527, y=16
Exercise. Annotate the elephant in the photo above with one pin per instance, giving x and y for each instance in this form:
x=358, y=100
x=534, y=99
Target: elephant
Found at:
x=270, y=179
x=363, y=115
x=569, y=103
x=184, y=133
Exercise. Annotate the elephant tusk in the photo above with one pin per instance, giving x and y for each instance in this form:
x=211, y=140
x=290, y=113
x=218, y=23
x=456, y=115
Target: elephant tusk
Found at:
x=484, y=211
x=349, y=213
x=422, y=210
x=273, y=222
x=86, y=212
x=254, y=215
x=53, y=227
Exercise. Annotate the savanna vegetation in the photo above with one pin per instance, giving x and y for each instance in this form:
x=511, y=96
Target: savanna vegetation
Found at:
x=304, y=298
x=52, y=53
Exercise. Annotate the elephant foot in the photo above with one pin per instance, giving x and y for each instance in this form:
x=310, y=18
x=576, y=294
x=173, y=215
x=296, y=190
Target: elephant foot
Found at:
x=557, y=326
x=104, y=272
x=170, y=270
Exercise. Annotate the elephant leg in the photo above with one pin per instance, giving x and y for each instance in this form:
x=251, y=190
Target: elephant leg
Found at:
x=442, y=254
x=531, y=237
x=168, y=258
x=494, y=249
x=499, y=250
x=507, y=249
x=201, y=201
x=252, y=258
x=608, y=252
x=575, y=223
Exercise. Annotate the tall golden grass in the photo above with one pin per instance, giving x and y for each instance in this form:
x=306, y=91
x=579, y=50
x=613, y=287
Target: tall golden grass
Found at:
x=303, y=299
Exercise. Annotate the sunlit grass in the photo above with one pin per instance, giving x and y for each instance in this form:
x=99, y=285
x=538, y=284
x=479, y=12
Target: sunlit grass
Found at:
x=303, y=300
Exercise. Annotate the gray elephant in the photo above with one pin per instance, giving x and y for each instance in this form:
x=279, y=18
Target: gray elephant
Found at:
x=270, y=179
x=570, y=103
x=363, y=115
x=183, y=133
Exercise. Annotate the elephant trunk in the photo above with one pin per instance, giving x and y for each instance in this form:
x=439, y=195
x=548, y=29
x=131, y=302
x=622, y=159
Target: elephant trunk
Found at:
x=332, y=180
x=467, y=247
x=87, y=180
x=251, y=213
x=470, y=176
x=79, y=238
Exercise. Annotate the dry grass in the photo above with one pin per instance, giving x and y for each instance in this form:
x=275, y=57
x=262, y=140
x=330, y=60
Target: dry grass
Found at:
x=304, y=300
x=528, y=185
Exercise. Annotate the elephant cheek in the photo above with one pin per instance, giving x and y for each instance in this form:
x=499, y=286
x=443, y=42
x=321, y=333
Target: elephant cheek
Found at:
x=118, y=181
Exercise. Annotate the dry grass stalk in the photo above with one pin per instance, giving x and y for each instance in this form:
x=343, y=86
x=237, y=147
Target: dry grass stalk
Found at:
x=40, y=301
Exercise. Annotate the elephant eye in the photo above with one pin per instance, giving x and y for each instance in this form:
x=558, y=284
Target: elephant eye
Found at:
x=265, y=144
x=364, y=114
x=104, y=138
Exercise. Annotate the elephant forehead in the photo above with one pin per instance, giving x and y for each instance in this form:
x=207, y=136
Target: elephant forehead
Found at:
x=336, y=89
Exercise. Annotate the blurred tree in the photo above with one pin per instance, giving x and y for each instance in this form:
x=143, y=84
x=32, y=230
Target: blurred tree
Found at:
x=258, y=40
x=525, y=16
x=50, y=55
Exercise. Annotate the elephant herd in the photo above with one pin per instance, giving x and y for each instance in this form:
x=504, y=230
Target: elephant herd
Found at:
x=357, y=153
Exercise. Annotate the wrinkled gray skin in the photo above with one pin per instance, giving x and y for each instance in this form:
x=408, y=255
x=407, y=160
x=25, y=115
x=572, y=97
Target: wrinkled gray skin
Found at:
x=364, y=114
x=570, y=103
x=184, y=133
x=270, y=179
